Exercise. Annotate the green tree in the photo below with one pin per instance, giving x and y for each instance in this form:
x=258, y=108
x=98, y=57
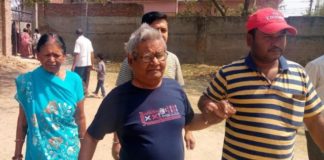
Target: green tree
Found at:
x=31, y=2
x=319, y=10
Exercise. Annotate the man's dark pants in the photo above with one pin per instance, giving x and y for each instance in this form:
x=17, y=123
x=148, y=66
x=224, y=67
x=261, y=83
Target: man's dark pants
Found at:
x=84, y=73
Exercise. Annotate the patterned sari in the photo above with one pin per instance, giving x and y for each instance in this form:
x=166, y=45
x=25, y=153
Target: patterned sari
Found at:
x=25, y=44
x=49, y=104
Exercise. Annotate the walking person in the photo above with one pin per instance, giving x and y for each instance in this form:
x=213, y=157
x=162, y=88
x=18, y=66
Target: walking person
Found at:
x=14, y=38
x=149, y=112
x=51, y=111
x=315, y=70
x=25, y=44
x=272, y=96
x=101, y=73
x=83, y=58
x=159, y=21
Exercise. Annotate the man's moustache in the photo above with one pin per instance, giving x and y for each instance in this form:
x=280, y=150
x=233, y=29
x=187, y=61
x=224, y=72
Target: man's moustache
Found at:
x=275, y=49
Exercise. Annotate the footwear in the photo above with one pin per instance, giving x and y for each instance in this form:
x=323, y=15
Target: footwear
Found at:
x=96, y=95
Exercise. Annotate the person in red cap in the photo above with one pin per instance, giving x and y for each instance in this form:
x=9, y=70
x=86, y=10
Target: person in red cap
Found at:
x=264, y=97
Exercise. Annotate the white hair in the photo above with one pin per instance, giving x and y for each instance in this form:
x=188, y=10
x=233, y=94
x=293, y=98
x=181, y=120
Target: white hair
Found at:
x=143, y=33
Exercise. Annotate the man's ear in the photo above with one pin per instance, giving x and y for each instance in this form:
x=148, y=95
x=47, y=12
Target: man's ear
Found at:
x=249, y=39
x=130, y=59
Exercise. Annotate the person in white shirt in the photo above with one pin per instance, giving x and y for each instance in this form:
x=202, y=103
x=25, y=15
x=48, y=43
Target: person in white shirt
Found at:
x=315, y=70
x=83, y=58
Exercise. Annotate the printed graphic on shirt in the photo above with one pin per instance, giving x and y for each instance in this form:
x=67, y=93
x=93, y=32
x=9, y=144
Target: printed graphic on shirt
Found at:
x=160, y=115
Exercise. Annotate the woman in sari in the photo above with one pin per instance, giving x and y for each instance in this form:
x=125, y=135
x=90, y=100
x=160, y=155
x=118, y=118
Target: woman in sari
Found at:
x=25, y=44
x=51, y=101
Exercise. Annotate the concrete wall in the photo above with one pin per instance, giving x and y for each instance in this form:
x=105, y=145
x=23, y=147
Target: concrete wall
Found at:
x=217, y=41
x=214, y=40
x=1, y=26
x=210, y=40
x=166, y=6
x=5, y=27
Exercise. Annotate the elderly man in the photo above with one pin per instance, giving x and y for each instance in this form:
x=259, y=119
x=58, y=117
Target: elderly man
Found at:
x=158, y=21
x=272, y=96
x=148, y=112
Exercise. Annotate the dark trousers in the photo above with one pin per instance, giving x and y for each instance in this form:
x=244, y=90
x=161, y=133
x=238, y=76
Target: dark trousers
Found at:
x=314, y=153
x=100, y=85
x=84, y=73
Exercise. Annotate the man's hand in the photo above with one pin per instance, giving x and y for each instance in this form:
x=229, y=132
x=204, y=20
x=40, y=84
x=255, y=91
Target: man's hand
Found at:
x=222, y=109
x=190, y=140
x=115, y=149
x=213, y=111
x=75, y=57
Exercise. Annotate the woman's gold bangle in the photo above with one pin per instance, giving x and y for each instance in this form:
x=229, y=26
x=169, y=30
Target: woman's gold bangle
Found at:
x=19, y=140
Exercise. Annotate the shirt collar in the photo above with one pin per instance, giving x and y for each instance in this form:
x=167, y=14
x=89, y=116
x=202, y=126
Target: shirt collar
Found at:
x=283, y=64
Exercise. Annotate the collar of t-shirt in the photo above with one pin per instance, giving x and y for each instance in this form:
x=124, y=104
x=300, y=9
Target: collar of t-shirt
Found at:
x=283, y=64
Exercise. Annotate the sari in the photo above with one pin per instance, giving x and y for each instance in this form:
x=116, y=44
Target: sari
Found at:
x=25, y=44
x=49, y=104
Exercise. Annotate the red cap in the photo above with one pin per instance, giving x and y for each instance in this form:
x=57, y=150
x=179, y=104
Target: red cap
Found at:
x=270, y=21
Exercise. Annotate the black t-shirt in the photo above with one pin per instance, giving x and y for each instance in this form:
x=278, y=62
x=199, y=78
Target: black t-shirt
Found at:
x=148, y=122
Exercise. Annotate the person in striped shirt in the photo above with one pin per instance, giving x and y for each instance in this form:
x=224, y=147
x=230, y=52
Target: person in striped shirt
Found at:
x=158, y=21
x=272, y=96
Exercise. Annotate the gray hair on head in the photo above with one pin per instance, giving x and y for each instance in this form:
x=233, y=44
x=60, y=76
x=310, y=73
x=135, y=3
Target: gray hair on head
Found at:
x=143, y=33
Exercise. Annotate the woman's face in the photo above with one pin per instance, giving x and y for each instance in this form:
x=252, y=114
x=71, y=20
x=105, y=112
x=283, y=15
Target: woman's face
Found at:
x=51, y=57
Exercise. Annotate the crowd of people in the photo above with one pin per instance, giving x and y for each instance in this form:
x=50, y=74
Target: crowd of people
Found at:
x=264, y=98
x=24, y=42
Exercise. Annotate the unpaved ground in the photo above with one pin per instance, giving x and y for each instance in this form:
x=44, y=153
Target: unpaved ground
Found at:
x=209, y=141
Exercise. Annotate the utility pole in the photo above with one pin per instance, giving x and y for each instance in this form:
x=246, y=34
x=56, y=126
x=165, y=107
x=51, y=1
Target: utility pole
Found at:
x=36, y=15
x=87, y=6
x=310, y=7
x=246, y=8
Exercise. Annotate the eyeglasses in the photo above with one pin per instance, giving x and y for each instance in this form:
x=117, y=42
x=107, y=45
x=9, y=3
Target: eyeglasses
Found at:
x=148, y=57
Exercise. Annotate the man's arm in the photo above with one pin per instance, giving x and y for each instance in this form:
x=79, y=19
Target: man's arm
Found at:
x=199, y=122
x=88, y=147
x=221, y=109
x=115, y=149
x=179, y=76
x=75, y=57
x=92, y=60
x=315, y=125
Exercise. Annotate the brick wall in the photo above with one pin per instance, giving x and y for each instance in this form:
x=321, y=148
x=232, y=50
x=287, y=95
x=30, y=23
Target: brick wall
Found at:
x=209, y=40
x=79, y=9
x=5, y=27
x=1, y=26
x=202, y=8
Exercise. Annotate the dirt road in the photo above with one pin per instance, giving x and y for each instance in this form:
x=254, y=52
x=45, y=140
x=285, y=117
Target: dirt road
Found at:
x=209, y=141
